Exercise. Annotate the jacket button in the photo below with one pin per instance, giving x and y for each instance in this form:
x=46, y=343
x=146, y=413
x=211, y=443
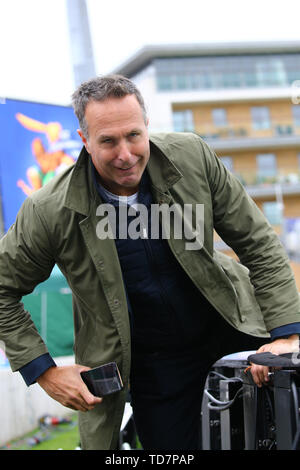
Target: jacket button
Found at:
x=116, y=302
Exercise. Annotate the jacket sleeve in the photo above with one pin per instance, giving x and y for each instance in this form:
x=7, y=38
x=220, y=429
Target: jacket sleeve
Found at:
x=31, y=371
x=26, y=259
x=242, y=225
x=285, y=331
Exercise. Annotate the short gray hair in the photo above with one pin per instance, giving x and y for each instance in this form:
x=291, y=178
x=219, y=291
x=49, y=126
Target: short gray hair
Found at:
x=100, y=89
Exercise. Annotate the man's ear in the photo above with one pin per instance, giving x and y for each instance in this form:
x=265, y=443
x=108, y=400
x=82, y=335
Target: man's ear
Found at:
x=84, y=140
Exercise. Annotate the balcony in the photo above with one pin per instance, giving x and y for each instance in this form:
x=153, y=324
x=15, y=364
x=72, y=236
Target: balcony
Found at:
x=284, y=182
x=244, y=137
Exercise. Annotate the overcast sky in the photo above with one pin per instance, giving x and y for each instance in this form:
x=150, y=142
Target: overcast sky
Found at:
x=34, y=42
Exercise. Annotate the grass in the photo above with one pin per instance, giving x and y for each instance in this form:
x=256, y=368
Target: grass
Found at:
x=63, y=436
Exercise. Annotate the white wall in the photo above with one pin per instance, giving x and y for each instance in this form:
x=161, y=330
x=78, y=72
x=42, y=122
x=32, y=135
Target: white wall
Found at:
x=158, y=105
x=22, y=406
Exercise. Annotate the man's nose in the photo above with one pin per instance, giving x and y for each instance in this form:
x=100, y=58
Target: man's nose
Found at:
x=124, y=151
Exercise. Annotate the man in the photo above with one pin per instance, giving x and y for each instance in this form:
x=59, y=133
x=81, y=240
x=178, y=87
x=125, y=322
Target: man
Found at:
x=162, y=310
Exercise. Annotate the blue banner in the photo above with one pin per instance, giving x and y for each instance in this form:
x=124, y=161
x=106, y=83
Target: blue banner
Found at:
x=37, y=142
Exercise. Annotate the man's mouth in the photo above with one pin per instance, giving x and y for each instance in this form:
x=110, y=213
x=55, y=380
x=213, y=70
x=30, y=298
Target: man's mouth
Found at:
x=125, y=169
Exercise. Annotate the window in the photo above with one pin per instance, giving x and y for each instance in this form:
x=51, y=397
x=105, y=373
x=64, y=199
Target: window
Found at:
x=228, y=162
x=271, y=72
x=181, y=82
x=219, y=116
x=296, y=114
x=266, y=166
x=260, y=117
x=232, y=71
x=164, y=82
x=183, y=121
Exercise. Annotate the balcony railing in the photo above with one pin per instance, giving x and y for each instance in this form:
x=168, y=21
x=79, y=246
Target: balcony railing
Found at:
x=251, y=177
x=246, y=130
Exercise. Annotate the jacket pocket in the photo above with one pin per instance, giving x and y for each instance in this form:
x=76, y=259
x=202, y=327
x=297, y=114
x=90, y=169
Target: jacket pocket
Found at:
x=248, y=307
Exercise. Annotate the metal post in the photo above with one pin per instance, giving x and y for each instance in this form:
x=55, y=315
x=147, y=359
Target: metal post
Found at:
x=285, y=413
x=250, y=412
x=80, y=41
x=225, y=416
x=205, y=421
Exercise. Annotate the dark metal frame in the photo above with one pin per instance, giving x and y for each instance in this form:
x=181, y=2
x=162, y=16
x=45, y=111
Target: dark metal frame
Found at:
x=261, y=418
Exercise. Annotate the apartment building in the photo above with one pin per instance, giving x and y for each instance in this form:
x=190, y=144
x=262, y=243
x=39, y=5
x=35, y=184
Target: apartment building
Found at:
x=242, y=98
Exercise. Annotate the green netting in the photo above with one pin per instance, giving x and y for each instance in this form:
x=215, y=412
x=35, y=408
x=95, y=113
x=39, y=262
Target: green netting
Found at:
x=50, y=306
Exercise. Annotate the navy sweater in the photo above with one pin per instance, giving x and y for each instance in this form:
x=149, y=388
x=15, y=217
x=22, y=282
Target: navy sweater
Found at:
x=166, y=309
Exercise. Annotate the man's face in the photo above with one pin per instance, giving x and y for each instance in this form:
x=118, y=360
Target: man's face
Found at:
x=118, y=142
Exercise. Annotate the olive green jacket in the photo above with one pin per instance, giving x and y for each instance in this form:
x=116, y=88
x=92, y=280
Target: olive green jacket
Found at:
x=58, y=223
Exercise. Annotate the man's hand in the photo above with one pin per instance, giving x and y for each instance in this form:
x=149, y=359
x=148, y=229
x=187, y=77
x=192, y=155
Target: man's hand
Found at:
x=278, y=346
x=66, y=386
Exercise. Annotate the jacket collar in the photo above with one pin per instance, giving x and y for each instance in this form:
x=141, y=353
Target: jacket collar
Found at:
x=162, y=171
x=81, y=189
